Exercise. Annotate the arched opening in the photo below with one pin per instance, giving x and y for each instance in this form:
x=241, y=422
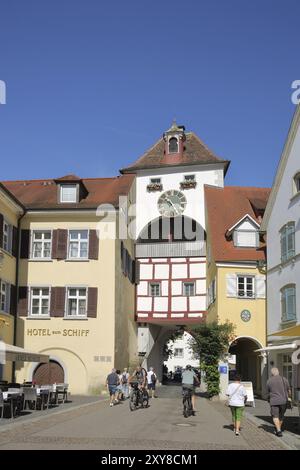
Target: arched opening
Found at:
x=49, y=373
x=244, y=361
x=173, y=145
x=179, y=355
x=173, y=229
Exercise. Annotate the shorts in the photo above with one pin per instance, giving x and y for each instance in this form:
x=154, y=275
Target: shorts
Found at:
x=112, y=389
x=237, y=412
x=189, y=387
x=151, y=386
x=277, y=411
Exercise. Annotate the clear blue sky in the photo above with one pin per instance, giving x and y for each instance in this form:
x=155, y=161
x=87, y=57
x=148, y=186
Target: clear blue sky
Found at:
x=92, y=84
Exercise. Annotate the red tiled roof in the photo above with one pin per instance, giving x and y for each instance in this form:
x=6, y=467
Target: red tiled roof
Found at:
x=225, y=207
x=195, y=153
x=42, y=194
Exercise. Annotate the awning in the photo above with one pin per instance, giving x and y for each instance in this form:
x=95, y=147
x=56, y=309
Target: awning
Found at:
x=292, y=331
x=287, y=346
x=8, y=352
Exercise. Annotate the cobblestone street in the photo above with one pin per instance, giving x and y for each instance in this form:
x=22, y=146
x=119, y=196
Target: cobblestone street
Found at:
x=95, y=425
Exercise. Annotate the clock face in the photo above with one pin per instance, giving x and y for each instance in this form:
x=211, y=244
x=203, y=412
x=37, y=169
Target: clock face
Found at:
x=245, y=315
x=171, y=203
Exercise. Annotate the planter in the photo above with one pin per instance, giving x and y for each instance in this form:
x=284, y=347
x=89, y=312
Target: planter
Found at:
x=154, y=187
x=188, y=184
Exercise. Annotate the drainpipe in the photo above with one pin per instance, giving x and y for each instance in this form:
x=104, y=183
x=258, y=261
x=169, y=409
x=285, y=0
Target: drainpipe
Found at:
x=13, y=374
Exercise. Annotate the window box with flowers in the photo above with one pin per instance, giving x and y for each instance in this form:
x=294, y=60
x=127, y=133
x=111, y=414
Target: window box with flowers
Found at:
x=188, y=184
x=151, y=187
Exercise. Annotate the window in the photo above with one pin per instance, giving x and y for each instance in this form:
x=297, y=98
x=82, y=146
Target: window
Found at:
x=287, y=241
x=189, y=177
x=41, y=244
x=297, y=183
x=7, y=236
x=246, y=238
x=212, y=292
x=68, y=193
x=245, y=286
x=173, y=145
x=39, y=301
x=77, y=302
x=5, y=297
x=155, y=180
x=78, y=244
x=189, y=289
x=178, y=352
x=288, y=303
x=154, y=290
x=287, y=368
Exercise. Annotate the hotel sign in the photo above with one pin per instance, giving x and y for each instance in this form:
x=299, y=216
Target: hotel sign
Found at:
x=74, y=332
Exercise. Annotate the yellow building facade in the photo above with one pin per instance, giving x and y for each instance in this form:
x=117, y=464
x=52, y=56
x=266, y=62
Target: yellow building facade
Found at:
x=10, y=212
x=236, y=289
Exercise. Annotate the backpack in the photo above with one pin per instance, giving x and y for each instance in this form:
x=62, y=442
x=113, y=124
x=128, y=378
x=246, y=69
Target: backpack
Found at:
x=124, y=378
x=153, y=378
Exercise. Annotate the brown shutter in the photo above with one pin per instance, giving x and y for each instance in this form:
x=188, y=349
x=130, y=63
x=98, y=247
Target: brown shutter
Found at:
x=93, y=244
x=61, y=244
x=25, y=239
x=1, y=230
x=92, y=302
x=23, y=301
x=14, y=241
x=57, y=303
x=13, y=300
x=54, y=244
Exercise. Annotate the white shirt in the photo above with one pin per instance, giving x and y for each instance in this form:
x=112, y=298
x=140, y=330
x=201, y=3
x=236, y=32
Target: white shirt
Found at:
x=237, y=394
x=149, y=376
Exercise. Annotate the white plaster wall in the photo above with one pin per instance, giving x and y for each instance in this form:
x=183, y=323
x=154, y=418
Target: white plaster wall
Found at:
x=161, y=271
x=179, y=271
x=284, y=210
x=146, y=209
x=179, y=304
x=161, y=304
x=197, y=270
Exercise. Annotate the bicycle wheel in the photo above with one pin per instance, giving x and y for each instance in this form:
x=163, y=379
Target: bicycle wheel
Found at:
x=185, y=409
x=145, y=400
x=132, y=401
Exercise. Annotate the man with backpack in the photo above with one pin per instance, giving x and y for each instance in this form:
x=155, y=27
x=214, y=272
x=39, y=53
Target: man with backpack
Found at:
x=125, y=383
x=151, y=380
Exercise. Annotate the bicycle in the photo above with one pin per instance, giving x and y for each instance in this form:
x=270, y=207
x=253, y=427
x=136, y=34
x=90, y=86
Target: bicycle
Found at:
x=187, y=402
x=138, y=397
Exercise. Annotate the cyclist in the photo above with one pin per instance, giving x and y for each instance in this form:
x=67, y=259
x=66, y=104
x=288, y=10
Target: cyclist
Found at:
x=189, y=381
x=139, y=377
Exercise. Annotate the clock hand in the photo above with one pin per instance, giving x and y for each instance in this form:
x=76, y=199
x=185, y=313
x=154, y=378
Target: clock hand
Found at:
x=172, y=203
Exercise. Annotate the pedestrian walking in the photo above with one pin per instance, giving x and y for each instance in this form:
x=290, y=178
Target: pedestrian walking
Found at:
x=279, y=393
x=112, y=382
x=125, y=383
x=151, y=381
x=236, y=401
x=119, y=392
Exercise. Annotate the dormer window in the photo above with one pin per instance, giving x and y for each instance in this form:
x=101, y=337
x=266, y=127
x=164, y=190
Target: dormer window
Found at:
x=173, y=145
x=245, y=233
x=68, y=193
x=297, y=183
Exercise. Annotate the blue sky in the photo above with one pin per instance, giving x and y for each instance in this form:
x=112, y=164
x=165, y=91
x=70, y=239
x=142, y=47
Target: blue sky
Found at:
x=92, y=84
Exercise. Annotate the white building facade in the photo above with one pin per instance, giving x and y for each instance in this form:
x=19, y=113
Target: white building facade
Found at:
x=282, y=223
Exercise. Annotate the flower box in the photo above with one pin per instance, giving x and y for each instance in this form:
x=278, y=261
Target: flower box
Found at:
x=154, y=187
x=188, y=184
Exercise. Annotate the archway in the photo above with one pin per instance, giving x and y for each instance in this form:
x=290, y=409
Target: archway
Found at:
x=246, y=362
x=180, y=355
x=49, y=373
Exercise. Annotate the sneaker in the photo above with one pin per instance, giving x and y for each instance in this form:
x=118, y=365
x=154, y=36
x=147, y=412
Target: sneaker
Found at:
x=278, y=433
x=111, y=404
x=237, y=433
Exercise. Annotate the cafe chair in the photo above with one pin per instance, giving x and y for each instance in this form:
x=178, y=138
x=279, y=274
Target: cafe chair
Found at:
x=9, y=402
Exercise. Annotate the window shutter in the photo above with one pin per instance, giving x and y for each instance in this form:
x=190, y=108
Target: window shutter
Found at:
x=93, y=244
x=137, y=272
x=260, y=284
x=92, y=302
x=1, y=230
x=123, y=258
x=23, y=301
x=13, y=300
x=57, y=301
x=231, y=285
x=25, y=239
x=61, y=244
x=14, y=241
x=54, y=244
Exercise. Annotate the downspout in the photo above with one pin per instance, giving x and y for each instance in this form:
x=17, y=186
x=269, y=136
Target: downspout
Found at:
x=13, y=373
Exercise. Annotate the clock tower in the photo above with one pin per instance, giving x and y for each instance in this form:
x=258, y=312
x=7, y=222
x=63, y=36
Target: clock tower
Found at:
x=170, y=235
